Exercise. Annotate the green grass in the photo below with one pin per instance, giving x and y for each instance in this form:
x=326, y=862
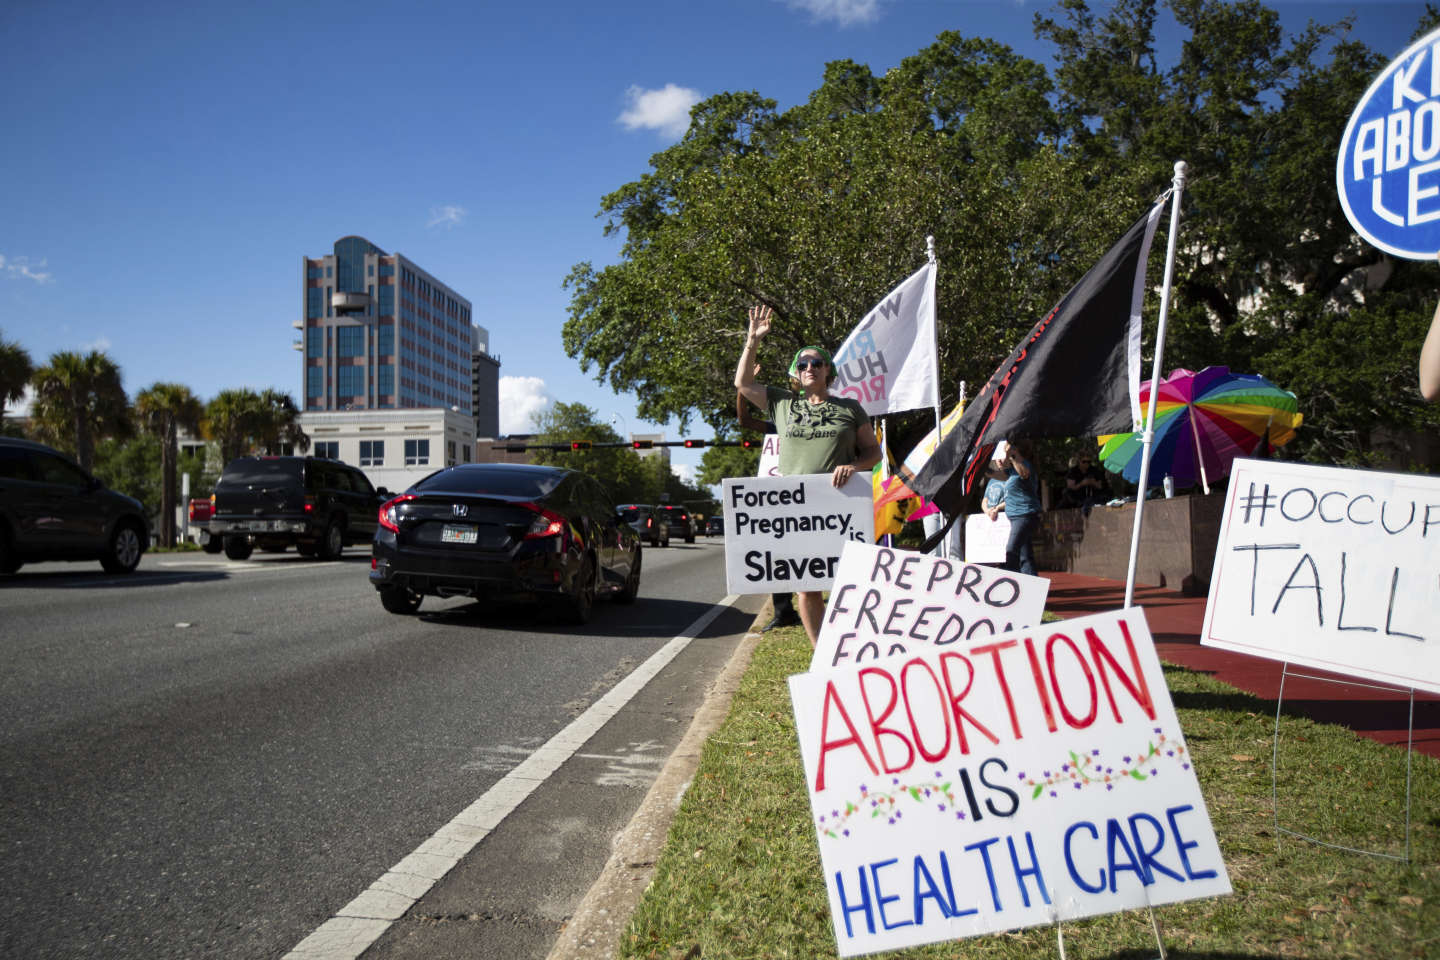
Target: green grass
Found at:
x=740, y=876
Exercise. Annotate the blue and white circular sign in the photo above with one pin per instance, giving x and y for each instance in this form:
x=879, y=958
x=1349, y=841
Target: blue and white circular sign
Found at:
x=1388, y=173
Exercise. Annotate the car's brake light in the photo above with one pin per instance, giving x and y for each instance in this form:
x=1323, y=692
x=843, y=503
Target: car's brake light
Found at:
x=547, y=523
x=388, y=519
x=309, y=503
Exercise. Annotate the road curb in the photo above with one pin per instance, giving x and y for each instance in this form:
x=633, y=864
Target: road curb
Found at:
x=594, y=931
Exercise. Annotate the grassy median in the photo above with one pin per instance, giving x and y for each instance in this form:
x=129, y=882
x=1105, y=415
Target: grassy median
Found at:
x=741, y=877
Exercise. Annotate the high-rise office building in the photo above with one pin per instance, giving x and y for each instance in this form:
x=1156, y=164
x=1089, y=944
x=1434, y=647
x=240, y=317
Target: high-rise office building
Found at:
x=485, y=375
x=381, y=333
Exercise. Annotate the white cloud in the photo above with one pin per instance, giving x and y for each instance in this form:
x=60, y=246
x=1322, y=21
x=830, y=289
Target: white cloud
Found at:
x=685, y=471
x=99, y=345
x=666, y=110
x=18, y=268
x=447, y=216
x=521, y=398
x=847, y=13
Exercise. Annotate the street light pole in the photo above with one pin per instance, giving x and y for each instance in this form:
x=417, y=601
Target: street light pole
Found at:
x=620, y=416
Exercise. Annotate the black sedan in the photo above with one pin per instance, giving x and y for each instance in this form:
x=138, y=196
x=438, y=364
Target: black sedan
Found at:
x=504, y=530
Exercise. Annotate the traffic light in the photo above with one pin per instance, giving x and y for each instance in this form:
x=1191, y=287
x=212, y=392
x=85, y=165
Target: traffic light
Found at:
x=643, y=444
x=579, y=445
x=694, y=444
x=749, y=444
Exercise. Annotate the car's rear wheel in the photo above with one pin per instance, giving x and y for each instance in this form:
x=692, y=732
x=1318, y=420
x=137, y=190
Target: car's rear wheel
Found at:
x=123, y=554
x=400, y=600
x=581, y=601
x=631, y=589
x=332, y=544
x=238, y=548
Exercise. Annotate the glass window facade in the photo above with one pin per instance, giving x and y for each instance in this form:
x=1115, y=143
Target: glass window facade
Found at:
x=387, y=301
x=385, y=380
x=330, y=449
x=385, y=341
x=314, y=306
x=350, y=381
x=314, y=381
x=315, y=342
x=372, y=453
x=417, y=453
x=350, y=341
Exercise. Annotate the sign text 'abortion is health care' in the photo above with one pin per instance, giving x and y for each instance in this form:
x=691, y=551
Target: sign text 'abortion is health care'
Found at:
x=1038, y=777
x=887, y=602
x=1331, y=568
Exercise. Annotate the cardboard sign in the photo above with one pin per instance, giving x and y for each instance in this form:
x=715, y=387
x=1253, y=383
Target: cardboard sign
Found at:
x=786, y=533
x=1331, y=568
x=1039, y=777
x=1388, y=170
x=985, y=539
x=887, y=602
x=770, y=456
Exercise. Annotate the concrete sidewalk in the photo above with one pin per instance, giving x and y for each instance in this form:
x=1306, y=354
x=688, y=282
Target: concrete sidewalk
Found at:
x=1176, y=622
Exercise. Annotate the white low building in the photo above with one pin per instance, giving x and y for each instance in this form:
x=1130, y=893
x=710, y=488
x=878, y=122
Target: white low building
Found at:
x=395, y=448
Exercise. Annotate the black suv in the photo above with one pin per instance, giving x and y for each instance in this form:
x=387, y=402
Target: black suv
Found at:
x=50, y=509
x=679, y=521
x=318, y=505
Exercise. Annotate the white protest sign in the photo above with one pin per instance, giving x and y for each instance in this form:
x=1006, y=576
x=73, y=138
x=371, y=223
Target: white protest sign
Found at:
x=770, y=457
x=1331, y=568
x=985, y=539
x=786, y=533
x=886, y=602
x=1041, y=776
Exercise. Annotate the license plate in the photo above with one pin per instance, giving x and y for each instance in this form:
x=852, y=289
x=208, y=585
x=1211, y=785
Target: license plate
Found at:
x=458, y=533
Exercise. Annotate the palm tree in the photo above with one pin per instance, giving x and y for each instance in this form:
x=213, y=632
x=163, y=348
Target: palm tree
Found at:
x=242, y=421
x=15, y=372
x=280, y=423
x=78, y=400
x=231, y=420
x=163, y=409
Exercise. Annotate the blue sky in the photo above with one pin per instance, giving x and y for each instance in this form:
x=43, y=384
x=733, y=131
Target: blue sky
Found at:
x=166, y=166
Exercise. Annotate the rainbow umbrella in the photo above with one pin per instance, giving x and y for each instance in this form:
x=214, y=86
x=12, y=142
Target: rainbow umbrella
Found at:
x=1203, y=421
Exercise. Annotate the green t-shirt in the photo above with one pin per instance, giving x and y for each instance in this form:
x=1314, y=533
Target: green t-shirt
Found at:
x=814, y=437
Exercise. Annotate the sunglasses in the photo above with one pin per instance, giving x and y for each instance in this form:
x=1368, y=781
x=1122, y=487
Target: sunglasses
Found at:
x=807, y=363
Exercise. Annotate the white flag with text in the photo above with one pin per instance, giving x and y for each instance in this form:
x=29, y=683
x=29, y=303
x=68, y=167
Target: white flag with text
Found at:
x=889, y=362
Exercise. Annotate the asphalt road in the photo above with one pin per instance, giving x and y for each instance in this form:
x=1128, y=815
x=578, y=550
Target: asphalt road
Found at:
x=210, y=759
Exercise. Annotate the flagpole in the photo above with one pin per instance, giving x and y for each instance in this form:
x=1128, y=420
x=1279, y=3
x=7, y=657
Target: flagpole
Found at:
x=935, y=362
x=1181, y=168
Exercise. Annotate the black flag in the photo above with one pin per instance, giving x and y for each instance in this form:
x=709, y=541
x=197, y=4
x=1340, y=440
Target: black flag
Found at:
x=1069, y=377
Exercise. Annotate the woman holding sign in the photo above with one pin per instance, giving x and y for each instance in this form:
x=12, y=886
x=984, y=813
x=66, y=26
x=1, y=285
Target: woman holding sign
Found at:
x=819, y=433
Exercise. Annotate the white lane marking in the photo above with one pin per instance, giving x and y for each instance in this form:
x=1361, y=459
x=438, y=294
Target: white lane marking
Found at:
x=363, y=920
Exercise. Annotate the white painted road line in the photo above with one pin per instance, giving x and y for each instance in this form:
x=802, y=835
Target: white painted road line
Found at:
x=363, y=920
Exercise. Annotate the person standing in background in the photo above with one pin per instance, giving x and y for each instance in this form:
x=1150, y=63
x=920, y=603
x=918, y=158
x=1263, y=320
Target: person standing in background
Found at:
x=1022, y=506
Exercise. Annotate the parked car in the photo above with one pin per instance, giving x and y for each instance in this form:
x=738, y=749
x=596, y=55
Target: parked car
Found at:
x=642, y=519
x=715, y=527
x=678, y=519
x=317, y=505
x=515, y=530
x=50, y=509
